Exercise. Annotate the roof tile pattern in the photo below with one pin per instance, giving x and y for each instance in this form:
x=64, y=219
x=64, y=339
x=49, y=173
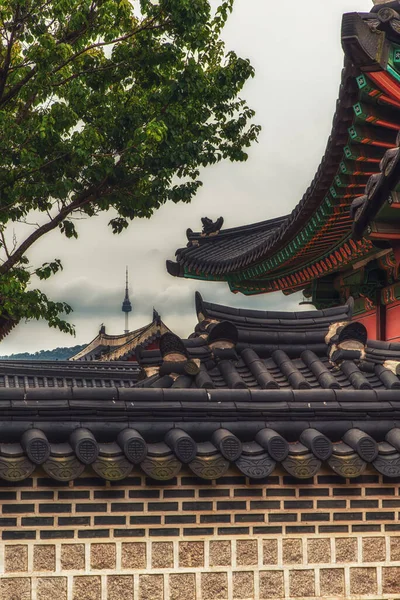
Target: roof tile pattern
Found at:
x=106, y=347
x=236, y=392
x=275, y=350
x=315, y=239
x=35, y=375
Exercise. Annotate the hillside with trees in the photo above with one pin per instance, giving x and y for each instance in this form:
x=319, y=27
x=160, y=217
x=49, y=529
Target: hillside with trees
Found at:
x=63, y=353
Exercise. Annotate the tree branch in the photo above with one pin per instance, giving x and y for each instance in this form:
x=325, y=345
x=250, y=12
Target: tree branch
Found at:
x=82, y=200
x=3, y=240
x=15, y=90
x=114, y=41
x=7, y=59
x=88, y=71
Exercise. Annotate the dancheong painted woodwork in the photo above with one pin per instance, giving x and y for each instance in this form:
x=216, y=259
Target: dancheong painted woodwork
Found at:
x=260, y=456
x=342, y=238
x=249, y=389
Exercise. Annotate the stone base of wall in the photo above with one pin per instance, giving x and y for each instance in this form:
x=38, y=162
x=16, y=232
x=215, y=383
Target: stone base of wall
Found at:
x=350, y=567
x=229, y=540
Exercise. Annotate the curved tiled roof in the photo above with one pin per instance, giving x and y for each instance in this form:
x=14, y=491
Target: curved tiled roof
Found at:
x=277, y=351
x=374, y=213
x=34, y=374
x=237, y=397
x=231, y=247
x=237, y=248
x=106, y=347
x=273, y=319
x=255, y=452
x=315, y=239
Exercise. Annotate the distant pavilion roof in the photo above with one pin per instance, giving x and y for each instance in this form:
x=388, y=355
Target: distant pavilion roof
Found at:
x=106, y=347
x=55, y=375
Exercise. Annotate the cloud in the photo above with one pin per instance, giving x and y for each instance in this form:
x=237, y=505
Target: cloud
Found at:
x=296, y=51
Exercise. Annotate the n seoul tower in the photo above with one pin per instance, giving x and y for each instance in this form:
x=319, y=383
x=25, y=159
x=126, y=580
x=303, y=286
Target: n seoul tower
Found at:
x=126, y=305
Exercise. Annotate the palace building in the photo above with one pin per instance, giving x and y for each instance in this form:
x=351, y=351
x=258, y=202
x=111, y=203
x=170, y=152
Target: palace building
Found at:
x=107, y=347
x=258, y=458
x=342, y=238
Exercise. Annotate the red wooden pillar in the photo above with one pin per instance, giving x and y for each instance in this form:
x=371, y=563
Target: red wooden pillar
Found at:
x=393, y=322
x=381, y=322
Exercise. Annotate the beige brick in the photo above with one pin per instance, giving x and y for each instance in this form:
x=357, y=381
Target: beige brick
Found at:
x=246, y=552
x=15, y=588
x=319, y=551
x=15, y=558
x=346, y=550
x=395, y=548
x=220, y=554
x=374, y=549
x=270, y=552
x=151, y=587
x=87, y=587
x=162, y=555
x=191, y=554
x=72, y=557
x=302, y=583
x=363, y=581
x=44, y=558
x=271, y=585
x=51, y=588
x=331, y=582
x=292, y=551
x=182, y=586
x=102, y=556
x=243, y=585
x=391, y=580
x=133, y=555
x=214, y=586
x=119, y=587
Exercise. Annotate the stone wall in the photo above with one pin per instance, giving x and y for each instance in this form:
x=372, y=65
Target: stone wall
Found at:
x=193, y=540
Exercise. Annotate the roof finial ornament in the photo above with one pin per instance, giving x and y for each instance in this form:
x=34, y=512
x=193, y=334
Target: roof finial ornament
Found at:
x=211, y=227
x=156, y=317
x=126, y=305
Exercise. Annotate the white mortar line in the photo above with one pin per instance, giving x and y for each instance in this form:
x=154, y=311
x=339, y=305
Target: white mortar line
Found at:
x=69, y=587
x=230, y=584
x=103, y=583
x=379, y=579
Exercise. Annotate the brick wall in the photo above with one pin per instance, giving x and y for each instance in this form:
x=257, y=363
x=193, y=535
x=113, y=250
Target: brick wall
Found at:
x=194, y=540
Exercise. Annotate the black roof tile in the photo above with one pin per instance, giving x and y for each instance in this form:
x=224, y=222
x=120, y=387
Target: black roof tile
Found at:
x=230, y=251
x=295, y=398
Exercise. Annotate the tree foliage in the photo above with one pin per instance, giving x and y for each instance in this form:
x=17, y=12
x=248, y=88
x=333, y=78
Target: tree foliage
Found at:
x=107, y=104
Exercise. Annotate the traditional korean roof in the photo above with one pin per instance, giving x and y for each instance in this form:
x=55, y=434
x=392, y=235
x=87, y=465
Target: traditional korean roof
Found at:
x=229, y=395
x=276, y=351
x=106, y=347
x=376, y=213
x=316, y=238
x=34, y=374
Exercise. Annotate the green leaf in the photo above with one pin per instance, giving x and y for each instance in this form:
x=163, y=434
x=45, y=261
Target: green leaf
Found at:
x=108, y=106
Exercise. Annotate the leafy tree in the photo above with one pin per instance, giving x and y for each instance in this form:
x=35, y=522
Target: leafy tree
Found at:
x=107, y=104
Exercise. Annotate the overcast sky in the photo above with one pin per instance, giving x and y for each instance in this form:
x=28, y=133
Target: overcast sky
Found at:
x=295, y=49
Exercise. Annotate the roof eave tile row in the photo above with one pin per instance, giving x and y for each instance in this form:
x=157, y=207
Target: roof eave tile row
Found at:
x=256, y=458
x=207, y=256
